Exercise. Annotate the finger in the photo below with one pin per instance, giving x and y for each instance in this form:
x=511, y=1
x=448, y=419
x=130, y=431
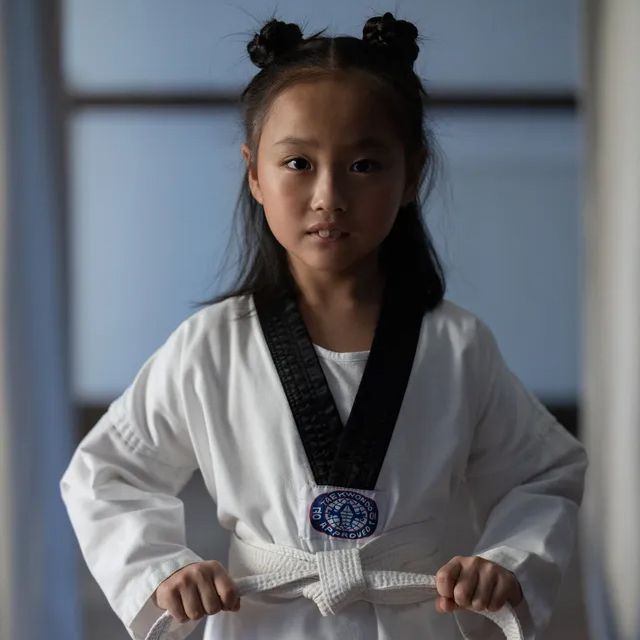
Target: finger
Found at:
x=170, y=600
x=208, y=596
x=191, y=601
x=499, y=596
x=516, y=596
x=445, y=605
x=176, y=609
x=227, y=590
x=488, y=579
x=466, y=585
x=447, y=576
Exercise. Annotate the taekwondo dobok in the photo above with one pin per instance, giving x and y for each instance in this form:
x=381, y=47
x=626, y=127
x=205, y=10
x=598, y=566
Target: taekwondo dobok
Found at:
x=336, y=529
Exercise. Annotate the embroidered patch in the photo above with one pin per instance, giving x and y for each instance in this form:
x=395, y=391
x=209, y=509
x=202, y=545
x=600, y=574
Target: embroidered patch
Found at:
x=344, y=514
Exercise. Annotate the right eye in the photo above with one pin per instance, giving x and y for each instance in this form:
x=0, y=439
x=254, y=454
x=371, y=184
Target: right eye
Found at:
x=294, y=160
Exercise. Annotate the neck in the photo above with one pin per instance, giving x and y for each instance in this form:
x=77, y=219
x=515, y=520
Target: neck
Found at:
x=358, y=287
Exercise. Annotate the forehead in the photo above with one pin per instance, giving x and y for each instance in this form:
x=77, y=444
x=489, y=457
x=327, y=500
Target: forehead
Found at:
x=342, y=109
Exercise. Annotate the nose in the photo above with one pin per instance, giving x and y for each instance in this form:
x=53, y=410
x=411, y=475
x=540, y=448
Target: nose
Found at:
x=328, y=192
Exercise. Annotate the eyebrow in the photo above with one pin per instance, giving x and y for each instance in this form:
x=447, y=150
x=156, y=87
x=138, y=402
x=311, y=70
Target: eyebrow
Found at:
x=368, y=143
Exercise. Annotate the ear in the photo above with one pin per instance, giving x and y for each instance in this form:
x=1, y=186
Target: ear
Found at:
x=414, y=168
x=252, y=173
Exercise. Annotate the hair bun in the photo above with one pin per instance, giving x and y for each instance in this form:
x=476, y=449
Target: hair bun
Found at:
x=397, y=37
x=274, y=38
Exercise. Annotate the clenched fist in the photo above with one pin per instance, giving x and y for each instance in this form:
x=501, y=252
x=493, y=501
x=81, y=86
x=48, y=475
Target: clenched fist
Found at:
x=196, y=590
x=476, y=583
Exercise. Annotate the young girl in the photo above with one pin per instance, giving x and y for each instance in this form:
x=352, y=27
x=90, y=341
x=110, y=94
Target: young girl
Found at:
x=349, y=422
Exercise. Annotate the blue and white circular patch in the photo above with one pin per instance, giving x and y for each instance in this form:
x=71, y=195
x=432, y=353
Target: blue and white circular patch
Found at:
x=344, y=514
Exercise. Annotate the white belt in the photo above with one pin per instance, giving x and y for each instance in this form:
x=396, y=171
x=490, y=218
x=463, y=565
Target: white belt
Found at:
x=335, y=578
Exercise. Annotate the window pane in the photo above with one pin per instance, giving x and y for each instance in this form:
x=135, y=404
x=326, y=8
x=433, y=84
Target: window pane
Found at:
x=507, y=226
x=500, y=45
x=152, y=196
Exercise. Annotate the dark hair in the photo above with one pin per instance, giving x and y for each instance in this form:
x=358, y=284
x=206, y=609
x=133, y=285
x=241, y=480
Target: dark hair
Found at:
x=386, y=52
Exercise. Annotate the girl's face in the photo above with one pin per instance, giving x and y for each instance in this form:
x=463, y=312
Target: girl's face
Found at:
x=330, y=152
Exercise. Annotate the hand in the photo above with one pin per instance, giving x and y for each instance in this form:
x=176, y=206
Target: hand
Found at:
x=473, y=582
x=196, y=590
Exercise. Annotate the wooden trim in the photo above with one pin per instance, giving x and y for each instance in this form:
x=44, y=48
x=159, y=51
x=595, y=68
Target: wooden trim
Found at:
x=79, y=101
x=190, y=100
x=51, y=30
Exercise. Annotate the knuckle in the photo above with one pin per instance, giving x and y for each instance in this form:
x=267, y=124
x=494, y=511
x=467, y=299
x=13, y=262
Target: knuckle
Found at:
x=169, y=595
x=185, y=571
x=501, y=584
x=497, y=598
x=195, y=613
x=176, y=609
x=443, y=575
x=461, y=593
x=200, y=571
x=210, y=600
x=181, y=580
x=191, y=603
x=178, y=615
x=445, y=587
x=487, y=567
x=160, y=599
x=227, y=594
x=195, y=569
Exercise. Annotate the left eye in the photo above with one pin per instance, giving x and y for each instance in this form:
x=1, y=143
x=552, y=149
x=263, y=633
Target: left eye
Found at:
x=294, y=160
x=370, y=163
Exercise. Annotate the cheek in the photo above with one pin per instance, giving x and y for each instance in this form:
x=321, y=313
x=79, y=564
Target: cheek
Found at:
x=381, y=200
x=390, y=185
x=280, y=191
x=281, y=202
x=377, y=212
x=381, y=197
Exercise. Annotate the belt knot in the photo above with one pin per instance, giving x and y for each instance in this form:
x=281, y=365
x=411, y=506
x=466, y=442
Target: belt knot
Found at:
x=341, y=580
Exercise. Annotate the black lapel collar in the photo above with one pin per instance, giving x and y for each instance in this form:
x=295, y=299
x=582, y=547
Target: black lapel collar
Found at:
x=352, y=456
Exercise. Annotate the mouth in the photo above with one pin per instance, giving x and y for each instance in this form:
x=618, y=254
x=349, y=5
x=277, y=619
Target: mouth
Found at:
x=328, y=236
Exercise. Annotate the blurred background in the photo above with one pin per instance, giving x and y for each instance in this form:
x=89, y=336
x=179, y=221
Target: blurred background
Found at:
x=120, y=166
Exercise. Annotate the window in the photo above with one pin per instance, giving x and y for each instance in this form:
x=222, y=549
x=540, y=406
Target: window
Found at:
x=154, y=167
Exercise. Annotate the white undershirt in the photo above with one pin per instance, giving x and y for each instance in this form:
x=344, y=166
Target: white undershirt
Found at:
x=343, y=371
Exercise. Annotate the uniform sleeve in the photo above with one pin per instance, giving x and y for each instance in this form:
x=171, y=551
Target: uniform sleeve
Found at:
x=120, y=491
x=525, y=475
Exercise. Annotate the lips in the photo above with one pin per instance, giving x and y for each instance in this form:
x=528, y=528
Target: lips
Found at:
x=330, y=226
x=326, y=230
x=328, y=235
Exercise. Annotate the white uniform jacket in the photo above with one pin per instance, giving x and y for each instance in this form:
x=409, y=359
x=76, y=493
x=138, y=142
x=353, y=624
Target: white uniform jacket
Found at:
x=475, y=461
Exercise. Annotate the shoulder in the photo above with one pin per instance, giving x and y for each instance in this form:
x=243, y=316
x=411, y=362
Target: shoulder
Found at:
x=214, y=326
x=455, y=324
x=469, y=345
x=195, y=341
x=218, y=315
